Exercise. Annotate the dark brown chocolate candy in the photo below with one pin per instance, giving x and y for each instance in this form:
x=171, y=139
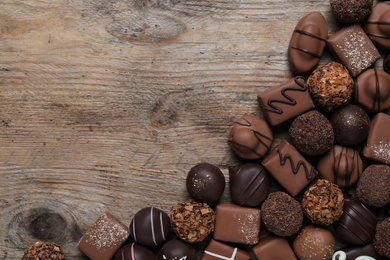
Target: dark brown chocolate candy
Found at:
x=286, y=101
x=352, y=253
x=386, y=64
x=382, y=238
x=150, y=226
x=205, y=183
x=216, y=250
x=351, y=11
x=248, y=184
x=134, y=252
x=352, y=47
x=176, y=250
x=289, y=168
x=273, y=248
x=357, y=224
x=307, y=43
x=372, y=91
x=378, y=25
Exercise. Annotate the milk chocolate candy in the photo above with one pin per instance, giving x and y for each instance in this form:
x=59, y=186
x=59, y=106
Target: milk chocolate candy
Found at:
x=307, y=43
x=378, y=25
x=372, y=90
x=352, y=47
x=217, y=250
x=237, y=224
x=378, y=140
x=286, y=101
x=352, y=253
x=273, y=248
x=289, y=168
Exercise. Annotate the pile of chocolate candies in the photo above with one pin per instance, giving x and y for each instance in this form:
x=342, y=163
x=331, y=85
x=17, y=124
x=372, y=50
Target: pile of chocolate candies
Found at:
x=336, y=122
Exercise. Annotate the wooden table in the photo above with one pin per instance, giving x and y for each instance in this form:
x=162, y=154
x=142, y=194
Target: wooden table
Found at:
x=106, y=105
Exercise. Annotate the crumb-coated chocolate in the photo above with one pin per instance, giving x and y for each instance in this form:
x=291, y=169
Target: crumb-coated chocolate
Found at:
x=323, y=202
x=307, y=43
x=217, y=250
x=357, y=224
x=330, y=86
x=351, y=11
x=378, y=25
x=386, y=64
x=353, y=252
x=250, y=137
x=340, y=165
x=311, y=133
x=350, y=125
x=382, y=238
x=150, y=226
x=192, y=221
x=134, y=251
x=44, y=251
x=314, y=243
x=274, y=248
x=248, y=184
x=205, y=183
x=176, y=249
x=282, y=214
x=373, y=185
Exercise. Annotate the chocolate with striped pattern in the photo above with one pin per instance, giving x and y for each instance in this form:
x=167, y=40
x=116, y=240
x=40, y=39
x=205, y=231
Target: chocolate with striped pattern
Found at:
x=134, y=251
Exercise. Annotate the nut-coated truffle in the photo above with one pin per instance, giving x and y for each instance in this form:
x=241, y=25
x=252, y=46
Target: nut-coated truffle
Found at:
x=312, y=133
x=382, y=238
x=44, y=251
x=351, y=11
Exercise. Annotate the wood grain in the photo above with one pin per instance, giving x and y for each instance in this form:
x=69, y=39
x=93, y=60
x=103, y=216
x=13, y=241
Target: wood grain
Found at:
x=106, y=105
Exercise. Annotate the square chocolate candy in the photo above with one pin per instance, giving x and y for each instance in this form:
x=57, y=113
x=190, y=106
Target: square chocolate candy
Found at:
x=217, y=250
x=289, y=168
x=274, y=248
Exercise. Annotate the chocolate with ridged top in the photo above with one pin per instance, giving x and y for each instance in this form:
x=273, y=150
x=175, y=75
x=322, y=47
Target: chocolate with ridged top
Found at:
x=352, y=253
x=378, y=25
x=134, y=251
x=176, y=249
x=216, y=250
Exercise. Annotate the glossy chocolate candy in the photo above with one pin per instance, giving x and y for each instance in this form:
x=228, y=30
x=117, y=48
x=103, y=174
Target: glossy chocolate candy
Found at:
x=378, y=25
x=216, y=250
x=176, y=250
x=274, y=248
x=352, y=253
x=134, y=251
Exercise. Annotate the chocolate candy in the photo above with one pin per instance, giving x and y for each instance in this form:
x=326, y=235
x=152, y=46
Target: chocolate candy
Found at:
x=378, y=140
x=351, y=11
x=150, y=226
x=386, y=64
x=357, y=224
x=289, y=168
x=273, y=248
x=134, y=251
x=250, y=137
x=341, y=165
x=217, y=250
x=248, y=184
x=104, y=238
x=177, y=250
x=205, y=183
x=237, y=224
x=352, y=47
x=44, y=250
x=352, y=253
x=286, y=101
x=382, y=238
x=307, y=43
x=378, y=25
x=372, y=91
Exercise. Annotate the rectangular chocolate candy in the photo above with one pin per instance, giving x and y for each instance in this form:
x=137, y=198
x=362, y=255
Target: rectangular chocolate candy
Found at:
x=270, y=248
x=217, y=250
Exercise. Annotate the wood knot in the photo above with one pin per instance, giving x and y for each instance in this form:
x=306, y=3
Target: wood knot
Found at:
x=45, y=225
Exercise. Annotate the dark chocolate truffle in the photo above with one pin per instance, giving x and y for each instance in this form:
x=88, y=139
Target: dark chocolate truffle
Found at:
x=282, y=214
x=134, y=252
x=350, y=125
x=386, y=64
x=248, y=184
x=312, y=133
x=382, y=238
x=373, y=185
x=378, y=25
x=314, y=243
x=351, y=11
x=354, y=252
x=176, y=250
x=44, y=251
x=150, y=226
x=205, y=183
x=357, y=224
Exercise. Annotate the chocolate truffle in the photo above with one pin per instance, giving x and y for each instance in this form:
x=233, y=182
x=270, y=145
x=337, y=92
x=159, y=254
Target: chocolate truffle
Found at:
x=382, y=238
x=386, y=64
x=351, y=11
x=378, y=25
x=307, y=43
x=350, y=125
x=205, y=183
x=312, y=133
x=150, y=226
x=314, y=243
x=44, y=250
x=192, y=221
x=216, y=250
x=272, y=248
x=330, y=86
x=250, y=137
x=134, y=251
x=357, y=224
x=323, y=202
x=176, y=250
x=282, y=214
x=373, y=185
x=248, y=184
x=341, y=165
x=352, y=253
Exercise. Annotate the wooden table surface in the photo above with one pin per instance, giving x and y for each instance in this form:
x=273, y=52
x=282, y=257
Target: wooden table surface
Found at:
x=105, y=105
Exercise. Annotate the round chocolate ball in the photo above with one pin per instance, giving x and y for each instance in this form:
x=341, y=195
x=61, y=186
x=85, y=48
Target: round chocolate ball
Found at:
x=177, y=250
x=281, y=214
x=248, y=184
x=382, y=238
x=205, y=183
x=351, y=11
x=134, y=252
x=314, y=243
x=386, y=64
x=312, y=133
x=373, y=185
x=44, y=250
x=150, y=226
x=350, y=125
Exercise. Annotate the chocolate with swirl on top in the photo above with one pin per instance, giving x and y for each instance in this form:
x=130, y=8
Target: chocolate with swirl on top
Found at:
x=378, y=25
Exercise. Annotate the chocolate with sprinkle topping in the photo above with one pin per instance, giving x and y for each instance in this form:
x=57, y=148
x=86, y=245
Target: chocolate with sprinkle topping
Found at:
x=382, y=238
x=44, y=251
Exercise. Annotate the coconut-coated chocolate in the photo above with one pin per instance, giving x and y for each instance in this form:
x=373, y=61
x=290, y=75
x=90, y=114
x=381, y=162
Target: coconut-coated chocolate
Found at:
x=134, y=251
x=176, y=249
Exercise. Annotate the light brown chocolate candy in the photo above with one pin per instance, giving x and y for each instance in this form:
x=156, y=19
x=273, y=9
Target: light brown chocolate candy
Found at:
x=272, y=248
x=378, y=25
